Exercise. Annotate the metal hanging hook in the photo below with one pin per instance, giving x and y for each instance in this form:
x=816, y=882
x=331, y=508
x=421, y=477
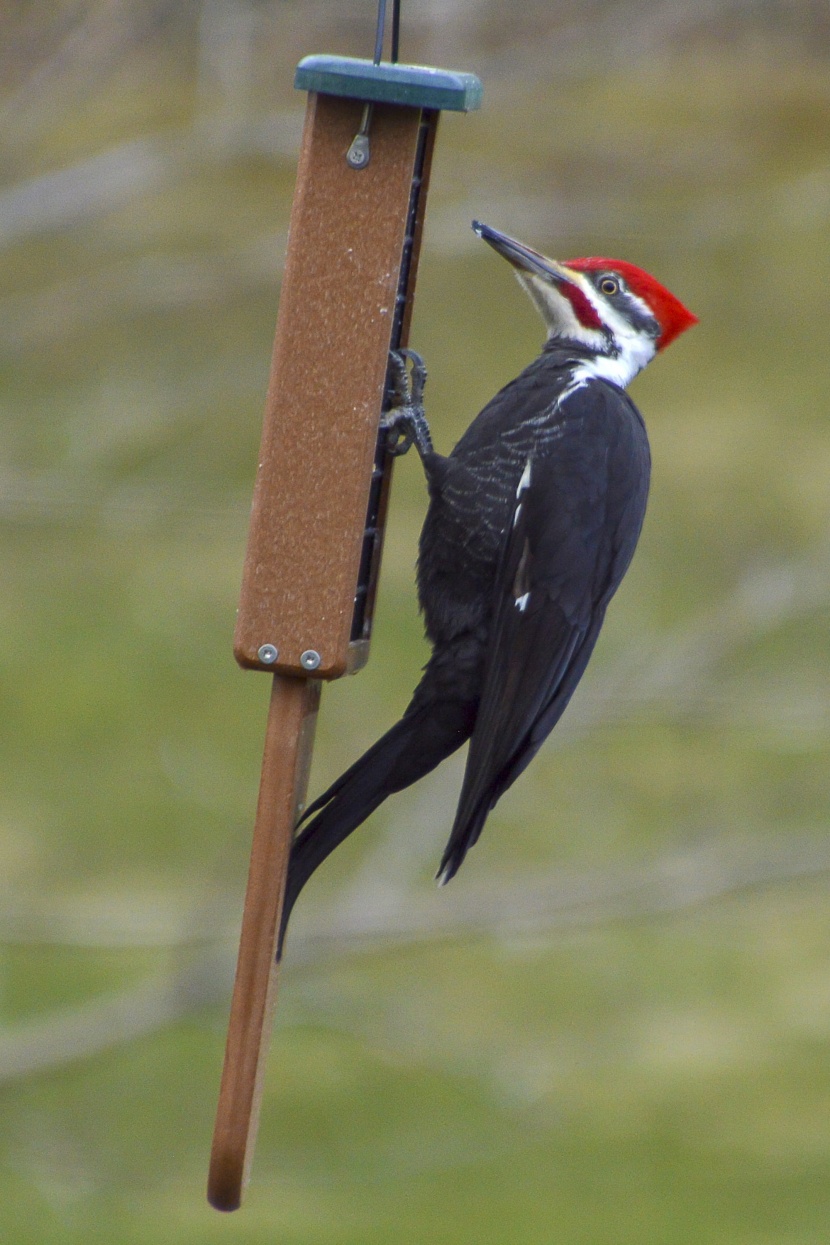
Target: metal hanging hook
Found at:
x=359, y=153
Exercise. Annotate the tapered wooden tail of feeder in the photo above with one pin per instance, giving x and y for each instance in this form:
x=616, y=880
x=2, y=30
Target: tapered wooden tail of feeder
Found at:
x=316, y=531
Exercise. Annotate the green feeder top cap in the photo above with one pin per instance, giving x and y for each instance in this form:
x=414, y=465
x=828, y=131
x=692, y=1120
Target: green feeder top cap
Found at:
x=418, y=86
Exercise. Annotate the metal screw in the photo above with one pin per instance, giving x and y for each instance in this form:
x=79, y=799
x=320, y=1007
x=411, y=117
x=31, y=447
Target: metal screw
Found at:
x=358, y=154
x=267, y=654
x=357, y=157
x=310, y=659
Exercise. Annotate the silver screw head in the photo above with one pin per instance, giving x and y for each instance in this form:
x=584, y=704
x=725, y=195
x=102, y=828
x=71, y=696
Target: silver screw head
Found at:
x=310, y=659
x=358, y=154
x=267, y=654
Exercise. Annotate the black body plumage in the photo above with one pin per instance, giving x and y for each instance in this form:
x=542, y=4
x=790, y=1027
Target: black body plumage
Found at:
x=532, y=522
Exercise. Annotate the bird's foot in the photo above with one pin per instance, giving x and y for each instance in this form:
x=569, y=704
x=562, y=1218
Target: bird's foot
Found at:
x=405, y=423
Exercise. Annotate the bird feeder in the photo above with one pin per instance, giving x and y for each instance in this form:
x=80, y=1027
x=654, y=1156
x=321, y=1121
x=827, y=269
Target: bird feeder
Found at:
x=322, y=484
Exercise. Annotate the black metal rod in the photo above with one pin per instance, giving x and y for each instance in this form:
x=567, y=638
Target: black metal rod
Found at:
x=369, y=560
x=396, y=30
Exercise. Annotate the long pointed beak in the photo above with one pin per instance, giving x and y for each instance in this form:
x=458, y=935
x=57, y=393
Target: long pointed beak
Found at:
x=524, y=257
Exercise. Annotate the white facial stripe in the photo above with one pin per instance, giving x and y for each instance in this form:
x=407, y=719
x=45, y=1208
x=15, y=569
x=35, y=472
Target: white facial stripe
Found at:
x=636, y=348
x=633, y=349
x=557, y=312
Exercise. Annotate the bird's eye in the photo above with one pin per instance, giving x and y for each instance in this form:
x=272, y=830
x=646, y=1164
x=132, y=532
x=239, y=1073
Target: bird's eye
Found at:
x=609, y=285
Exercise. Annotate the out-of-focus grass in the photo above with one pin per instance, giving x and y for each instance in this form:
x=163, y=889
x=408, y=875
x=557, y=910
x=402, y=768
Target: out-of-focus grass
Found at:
x=656, y=1078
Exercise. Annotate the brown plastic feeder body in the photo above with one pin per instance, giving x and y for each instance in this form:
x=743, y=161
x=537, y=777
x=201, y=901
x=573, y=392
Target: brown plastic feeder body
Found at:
x=334, y=333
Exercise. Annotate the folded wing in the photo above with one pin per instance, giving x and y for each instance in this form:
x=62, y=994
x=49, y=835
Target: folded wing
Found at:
x=578, y=512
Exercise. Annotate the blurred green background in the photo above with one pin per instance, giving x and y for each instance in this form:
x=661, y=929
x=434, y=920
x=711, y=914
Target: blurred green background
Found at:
x=614, y=1026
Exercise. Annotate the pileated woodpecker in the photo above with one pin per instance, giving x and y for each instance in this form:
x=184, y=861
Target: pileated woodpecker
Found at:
x=532, y=523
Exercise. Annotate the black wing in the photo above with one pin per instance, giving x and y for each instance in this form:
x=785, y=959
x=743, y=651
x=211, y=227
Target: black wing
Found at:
x=578, y=513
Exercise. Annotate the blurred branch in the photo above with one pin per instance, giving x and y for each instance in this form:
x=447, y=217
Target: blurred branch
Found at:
x=676, y=672
x=514, y=908
x=63, y=1037
x=149, y=284
x=98, y=184
x=561, y=900
x=386, y=872
x=60, y=57
x=83, y=190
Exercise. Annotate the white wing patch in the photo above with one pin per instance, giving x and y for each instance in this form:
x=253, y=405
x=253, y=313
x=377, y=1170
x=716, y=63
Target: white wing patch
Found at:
x=521, y=580
x=524, y=485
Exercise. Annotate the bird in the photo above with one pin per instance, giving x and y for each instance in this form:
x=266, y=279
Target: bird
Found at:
x=532, y=522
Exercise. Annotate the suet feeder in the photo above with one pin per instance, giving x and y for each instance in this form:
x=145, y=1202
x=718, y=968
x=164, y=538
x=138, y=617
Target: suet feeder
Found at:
x=322, y=483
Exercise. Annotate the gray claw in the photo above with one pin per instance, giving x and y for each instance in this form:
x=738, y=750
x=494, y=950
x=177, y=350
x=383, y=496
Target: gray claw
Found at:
x=405, y=423
x=419, y=374
x=399, y=440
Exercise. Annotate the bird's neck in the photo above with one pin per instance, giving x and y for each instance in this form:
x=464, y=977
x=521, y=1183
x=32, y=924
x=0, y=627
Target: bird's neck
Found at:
x=619, y=368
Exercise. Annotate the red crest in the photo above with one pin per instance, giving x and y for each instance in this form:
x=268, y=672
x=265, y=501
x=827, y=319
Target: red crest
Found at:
x=668, y=311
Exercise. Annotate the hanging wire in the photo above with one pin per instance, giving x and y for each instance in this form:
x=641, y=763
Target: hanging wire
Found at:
x=379, y=31
x=380, y=28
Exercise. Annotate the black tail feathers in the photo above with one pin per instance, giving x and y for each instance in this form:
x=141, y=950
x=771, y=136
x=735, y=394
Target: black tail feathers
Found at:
x=424, y=736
